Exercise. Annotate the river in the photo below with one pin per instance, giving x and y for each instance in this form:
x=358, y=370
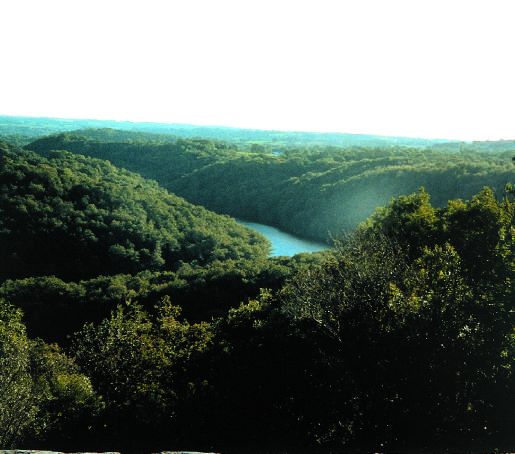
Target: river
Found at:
x=284, y=243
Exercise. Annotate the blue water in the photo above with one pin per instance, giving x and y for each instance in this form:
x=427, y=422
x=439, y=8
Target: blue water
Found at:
x=284, y=243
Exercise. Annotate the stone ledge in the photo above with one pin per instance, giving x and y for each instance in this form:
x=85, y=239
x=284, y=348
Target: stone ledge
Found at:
x=31, y=451
x=35, y=451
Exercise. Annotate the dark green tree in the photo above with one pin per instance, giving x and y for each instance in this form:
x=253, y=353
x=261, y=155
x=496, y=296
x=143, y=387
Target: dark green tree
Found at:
x=43, y=396
x=139, y=363
x=18, y=403
x=422, y=336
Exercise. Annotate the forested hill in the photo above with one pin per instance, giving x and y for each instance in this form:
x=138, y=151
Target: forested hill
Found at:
x=134, y=320
x=316, y=192
x=78, y=217
x=21, y=130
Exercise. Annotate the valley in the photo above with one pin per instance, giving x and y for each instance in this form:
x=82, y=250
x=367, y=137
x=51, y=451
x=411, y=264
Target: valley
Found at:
x=138, y=310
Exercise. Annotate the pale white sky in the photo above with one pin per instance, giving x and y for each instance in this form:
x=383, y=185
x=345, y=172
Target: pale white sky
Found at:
x=413, y=68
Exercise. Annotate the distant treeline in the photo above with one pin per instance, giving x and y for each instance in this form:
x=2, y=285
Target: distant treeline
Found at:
x=316, y=192
x=21, y=130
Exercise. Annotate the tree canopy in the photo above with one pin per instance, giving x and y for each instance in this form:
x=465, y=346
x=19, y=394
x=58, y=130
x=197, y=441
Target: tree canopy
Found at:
x=316, y=192
x=131, y=318
x=78, y=217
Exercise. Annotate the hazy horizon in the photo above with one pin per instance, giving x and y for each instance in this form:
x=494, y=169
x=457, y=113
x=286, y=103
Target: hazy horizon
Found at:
x=192, y=125
x=422, y=69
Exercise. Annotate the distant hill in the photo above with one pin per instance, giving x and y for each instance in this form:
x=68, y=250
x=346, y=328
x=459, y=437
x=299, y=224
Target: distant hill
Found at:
x=315, y=192
x=77, y=217
x=20, y=130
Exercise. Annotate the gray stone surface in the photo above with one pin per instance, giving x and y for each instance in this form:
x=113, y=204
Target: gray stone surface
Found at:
x=35, y=451
x=30, y=451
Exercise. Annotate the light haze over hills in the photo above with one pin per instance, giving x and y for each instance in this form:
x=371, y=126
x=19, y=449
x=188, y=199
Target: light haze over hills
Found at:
x=433, y=69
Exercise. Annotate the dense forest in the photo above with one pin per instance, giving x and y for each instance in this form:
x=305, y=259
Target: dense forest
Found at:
x=313, y=192
x=134, y=319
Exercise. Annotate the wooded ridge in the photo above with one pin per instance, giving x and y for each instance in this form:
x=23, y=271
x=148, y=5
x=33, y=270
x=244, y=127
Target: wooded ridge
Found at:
x=132, y=317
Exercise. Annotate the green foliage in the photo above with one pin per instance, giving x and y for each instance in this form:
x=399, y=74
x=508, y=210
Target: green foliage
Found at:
x=418, y=308
x=410, y=219
x=43, y=394
x=401, y=337
x=480, y=230
x=18, y=404
x=139, y=363
x=55, y=309
x=317, y=191
x=68, y=404
x=78, y=217
x=265, y=381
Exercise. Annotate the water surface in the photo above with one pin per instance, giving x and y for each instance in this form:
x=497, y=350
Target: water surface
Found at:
x=284, y=243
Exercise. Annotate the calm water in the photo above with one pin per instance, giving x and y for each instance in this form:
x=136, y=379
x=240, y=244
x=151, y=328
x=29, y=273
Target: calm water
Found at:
x=284, y=243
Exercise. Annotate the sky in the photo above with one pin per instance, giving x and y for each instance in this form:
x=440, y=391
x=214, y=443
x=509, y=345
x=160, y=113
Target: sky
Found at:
x=416, y=68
